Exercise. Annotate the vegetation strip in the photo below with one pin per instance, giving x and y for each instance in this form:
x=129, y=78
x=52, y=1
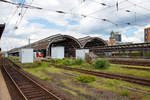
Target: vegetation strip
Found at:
x=127, y=61
x=146, y=69
x=132, y=89
x=109, y=75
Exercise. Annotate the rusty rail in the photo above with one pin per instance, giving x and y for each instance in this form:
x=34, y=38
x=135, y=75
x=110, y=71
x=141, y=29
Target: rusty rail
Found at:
x=28, y=88
x=127, y=78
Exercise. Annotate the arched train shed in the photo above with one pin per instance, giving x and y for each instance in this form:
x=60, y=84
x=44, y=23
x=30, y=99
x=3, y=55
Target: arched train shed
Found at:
x=69, y=43
x=91, y=42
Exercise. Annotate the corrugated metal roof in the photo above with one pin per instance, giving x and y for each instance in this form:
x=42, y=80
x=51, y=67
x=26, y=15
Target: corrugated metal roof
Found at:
x=44, y=43
x=87, y=39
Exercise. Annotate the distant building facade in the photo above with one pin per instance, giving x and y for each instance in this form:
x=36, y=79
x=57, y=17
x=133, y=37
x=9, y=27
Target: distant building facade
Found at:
x=147, y=35
x=111, y=41
x=115, y=38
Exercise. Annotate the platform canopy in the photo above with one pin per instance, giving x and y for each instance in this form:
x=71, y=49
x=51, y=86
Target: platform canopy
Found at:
x=2, y=27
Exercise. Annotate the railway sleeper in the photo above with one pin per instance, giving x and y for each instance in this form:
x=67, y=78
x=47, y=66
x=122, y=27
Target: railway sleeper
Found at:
x=26, y=87
x=43, y=98
x=29, y=89
x=35, y=92
x=38, y=96
x=23, y=83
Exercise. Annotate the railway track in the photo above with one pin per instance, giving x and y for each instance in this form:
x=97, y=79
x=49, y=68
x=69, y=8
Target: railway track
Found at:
x=127, y=78
x=28, y=88
x=145, y=69
x=130, y=61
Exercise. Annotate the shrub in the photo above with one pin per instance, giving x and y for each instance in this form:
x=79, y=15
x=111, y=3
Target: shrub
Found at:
x=101, y=63
x=85, y=78
x=67, y=62
x=58, y=61
x=79, y=61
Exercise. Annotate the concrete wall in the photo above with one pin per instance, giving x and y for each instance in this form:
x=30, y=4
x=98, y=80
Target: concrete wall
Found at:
x=26, y=55
x=57, y=52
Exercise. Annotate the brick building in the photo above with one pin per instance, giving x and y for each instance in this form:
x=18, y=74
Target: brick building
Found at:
x=147, y=35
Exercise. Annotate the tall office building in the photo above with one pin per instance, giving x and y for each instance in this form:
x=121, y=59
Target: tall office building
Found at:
x=147, y=35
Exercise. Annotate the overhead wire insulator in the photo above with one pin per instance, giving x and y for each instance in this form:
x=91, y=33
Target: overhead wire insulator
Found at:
x=128, y=23
x=60, y=12
x=15, y=28
x=84, y=16
x=128, y=11
x=104, y=20
x=19, y=14
x=103, y=4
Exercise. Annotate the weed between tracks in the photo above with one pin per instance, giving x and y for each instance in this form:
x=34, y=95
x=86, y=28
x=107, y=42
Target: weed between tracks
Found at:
x=112, y=68
x=97, y=89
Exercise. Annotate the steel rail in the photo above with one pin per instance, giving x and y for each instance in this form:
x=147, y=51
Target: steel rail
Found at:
x=29, y=79
x=14, y=83
x=110, y=75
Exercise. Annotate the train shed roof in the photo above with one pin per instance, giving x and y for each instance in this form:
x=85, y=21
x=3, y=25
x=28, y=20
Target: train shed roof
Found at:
x=44, y=43
x=87, y=39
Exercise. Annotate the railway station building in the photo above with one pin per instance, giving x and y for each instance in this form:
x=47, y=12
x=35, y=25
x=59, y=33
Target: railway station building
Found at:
x=61, y=46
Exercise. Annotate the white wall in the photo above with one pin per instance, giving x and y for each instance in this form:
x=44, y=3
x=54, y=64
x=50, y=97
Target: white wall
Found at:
x=34, y=54
x=26, y=55
x=80, y=53
x=6, y=54
x=57, y=52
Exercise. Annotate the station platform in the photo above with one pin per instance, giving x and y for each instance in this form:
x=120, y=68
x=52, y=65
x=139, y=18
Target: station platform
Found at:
x=4, y=93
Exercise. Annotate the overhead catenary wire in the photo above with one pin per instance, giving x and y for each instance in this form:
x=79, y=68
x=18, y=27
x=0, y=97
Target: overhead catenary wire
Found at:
x=22, y=15
x=102, y=3
x=63, y=12
x=58, y=11
x=25, y=6
x=138, y=5
x=106, y=7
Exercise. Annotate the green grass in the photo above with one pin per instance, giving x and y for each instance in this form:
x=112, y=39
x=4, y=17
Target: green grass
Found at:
x=117, y=69
x=112, y=67
x=85, y=78
x=39, y=71
x=134, y=66
x=102, y=84
x=70, y=91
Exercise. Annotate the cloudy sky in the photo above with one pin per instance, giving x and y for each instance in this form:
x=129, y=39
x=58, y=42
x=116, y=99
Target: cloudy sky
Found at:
x=81, y=18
